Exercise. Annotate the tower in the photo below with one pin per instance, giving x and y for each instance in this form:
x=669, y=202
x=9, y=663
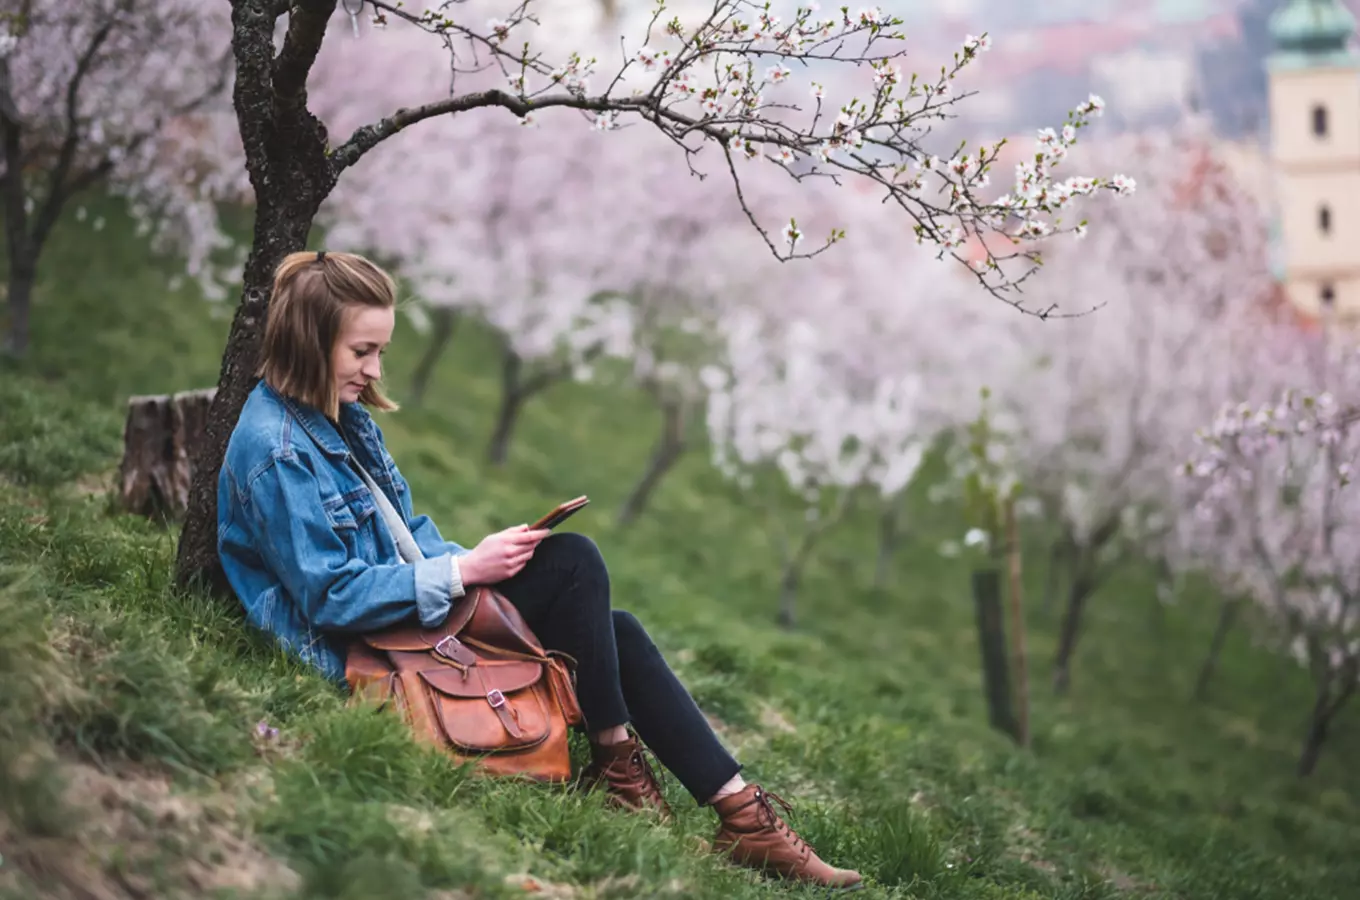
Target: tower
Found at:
x=1314, y=80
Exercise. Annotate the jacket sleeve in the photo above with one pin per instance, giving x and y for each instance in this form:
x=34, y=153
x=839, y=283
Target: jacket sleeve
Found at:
x=335, y=590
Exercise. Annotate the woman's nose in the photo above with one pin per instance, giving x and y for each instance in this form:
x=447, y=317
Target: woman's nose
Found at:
x=373, y=368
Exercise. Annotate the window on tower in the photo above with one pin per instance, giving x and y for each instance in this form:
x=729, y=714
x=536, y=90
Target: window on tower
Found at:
x=1327, y=295
x=1325, y=219
x=1320, y=120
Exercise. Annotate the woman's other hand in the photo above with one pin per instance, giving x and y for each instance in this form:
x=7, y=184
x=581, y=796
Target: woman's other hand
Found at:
x=500, y=555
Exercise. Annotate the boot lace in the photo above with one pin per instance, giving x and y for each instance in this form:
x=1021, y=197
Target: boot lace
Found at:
x=640, y=769
x=773, y=819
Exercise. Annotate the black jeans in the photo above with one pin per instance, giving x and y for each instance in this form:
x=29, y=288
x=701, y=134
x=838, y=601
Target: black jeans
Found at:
x=621, y=677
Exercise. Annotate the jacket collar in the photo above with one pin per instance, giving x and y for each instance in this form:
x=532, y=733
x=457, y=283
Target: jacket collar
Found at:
x=353, y=418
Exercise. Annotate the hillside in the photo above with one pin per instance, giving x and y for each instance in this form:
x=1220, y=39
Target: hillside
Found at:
x=131, y=766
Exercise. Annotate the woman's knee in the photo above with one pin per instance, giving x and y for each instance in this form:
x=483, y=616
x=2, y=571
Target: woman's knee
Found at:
x=574, y=548
x=629, y=634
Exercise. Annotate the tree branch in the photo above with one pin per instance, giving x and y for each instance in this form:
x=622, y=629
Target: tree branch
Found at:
x=306, y=29
x=369, y=136
x=55, y=194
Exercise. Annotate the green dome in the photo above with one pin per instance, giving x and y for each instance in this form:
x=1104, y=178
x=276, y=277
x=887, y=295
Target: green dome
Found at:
x=1312, y=28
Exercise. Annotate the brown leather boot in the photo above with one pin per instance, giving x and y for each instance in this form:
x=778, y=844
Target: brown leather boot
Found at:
x=626, y=776
x=752, y=834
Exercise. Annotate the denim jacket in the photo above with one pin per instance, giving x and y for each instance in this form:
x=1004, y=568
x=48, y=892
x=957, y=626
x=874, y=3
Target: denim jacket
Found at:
x=301, y=539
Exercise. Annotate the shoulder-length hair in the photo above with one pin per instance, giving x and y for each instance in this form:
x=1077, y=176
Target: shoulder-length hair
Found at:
x=312, y=291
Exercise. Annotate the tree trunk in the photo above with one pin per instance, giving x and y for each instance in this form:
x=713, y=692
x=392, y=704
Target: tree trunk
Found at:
x=996, y=685
x=516, y=389
x=512, y=401
x=889, y=530
x=291, y=174
x=1318, y=723
x=160, y=436
x=1080, y=590
x=788, y=593
x=1227, y=615
x=23, y=274
x=1020, y=654
x=445, y=320
x=670, y=446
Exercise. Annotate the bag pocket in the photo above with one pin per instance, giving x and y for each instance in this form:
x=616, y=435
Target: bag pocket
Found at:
x=492, y=706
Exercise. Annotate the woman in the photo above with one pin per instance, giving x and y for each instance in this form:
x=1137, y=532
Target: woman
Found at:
x=318, y=538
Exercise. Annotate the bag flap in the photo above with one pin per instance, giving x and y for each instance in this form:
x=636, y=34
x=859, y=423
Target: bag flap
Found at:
x=494, y=620
x=481, y=679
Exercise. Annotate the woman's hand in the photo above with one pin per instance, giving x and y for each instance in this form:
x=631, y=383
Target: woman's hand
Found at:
x=500, y=555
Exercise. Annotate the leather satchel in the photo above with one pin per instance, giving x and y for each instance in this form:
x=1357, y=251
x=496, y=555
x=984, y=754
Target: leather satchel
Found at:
x=481, y=687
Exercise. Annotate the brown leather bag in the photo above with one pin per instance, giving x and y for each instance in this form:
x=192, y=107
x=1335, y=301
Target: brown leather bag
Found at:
x=480, y=686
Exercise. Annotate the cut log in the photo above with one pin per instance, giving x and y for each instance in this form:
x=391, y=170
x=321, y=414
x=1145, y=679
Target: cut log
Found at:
x=160, y=437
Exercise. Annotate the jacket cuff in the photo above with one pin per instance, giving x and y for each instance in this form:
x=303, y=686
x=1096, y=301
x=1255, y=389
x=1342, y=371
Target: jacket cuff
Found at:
x=434, y=587
x=456, y=588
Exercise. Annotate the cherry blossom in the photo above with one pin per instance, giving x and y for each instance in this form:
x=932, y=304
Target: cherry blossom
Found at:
x=125, y=95
x=1274, y=513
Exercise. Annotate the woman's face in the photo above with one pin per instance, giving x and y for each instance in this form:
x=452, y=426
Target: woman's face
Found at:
x=365, y=332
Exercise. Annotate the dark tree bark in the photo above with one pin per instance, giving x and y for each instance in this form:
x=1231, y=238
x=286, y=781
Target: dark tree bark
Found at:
x=444, y=321
x=991, y=628
x=1334, y=686
x=1079, y=590
x=1227, y=615
x=670, y=446
x=1085, y=574
x=291, y=173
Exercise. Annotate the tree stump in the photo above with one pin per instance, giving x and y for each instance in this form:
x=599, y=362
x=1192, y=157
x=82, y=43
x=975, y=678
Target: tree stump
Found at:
x=160, y=437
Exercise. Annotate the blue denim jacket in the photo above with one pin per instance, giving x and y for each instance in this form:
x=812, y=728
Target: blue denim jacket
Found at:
x=301, y=539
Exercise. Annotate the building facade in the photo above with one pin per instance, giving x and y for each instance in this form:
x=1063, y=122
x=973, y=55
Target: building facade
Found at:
x=1314, y=83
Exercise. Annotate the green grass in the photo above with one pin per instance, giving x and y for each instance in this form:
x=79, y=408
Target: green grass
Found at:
x=869, y=717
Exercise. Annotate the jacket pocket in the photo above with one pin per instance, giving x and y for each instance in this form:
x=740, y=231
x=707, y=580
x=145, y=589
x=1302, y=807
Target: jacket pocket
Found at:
x=354, y=518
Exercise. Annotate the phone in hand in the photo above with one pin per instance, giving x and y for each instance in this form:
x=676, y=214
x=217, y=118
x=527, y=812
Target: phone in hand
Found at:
x=559, y=515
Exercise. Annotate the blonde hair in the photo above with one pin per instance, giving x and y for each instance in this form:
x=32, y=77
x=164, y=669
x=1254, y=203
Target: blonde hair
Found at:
x=312, y=290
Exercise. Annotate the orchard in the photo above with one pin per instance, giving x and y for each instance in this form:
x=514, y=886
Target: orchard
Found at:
x=754, y=216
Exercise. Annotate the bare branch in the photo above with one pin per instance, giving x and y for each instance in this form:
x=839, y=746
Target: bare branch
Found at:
x=62, y=167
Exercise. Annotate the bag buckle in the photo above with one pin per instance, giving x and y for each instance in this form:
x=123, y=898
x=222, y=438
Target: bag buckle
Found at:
x=495, y=698
x=448, y=639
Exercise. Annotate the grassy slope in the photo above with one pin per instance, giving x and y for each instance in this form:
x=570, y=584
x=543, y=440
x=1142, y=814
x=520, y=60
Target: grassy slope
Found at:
x=869, y=718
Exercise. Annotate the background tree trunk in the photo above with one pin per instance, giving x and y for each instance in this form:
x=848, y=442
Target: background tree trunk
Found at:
x=1080, y=589
x=1227, y=614
x=670, y=446
x=996, y=685
x=22, y=276
x=789, y=581
x=445, y=321
x=1318, y=723
x=1020, y=654
x=513, y=396
x=889, y=531
x=160, y=436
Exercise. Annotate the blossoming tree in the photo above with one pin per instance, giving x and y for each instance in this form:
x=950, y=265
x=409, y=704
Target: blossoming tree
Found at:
x=128, y=95
x=812, y=401
x=719, y=83
x=1276, y=519
x=1104, y=404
